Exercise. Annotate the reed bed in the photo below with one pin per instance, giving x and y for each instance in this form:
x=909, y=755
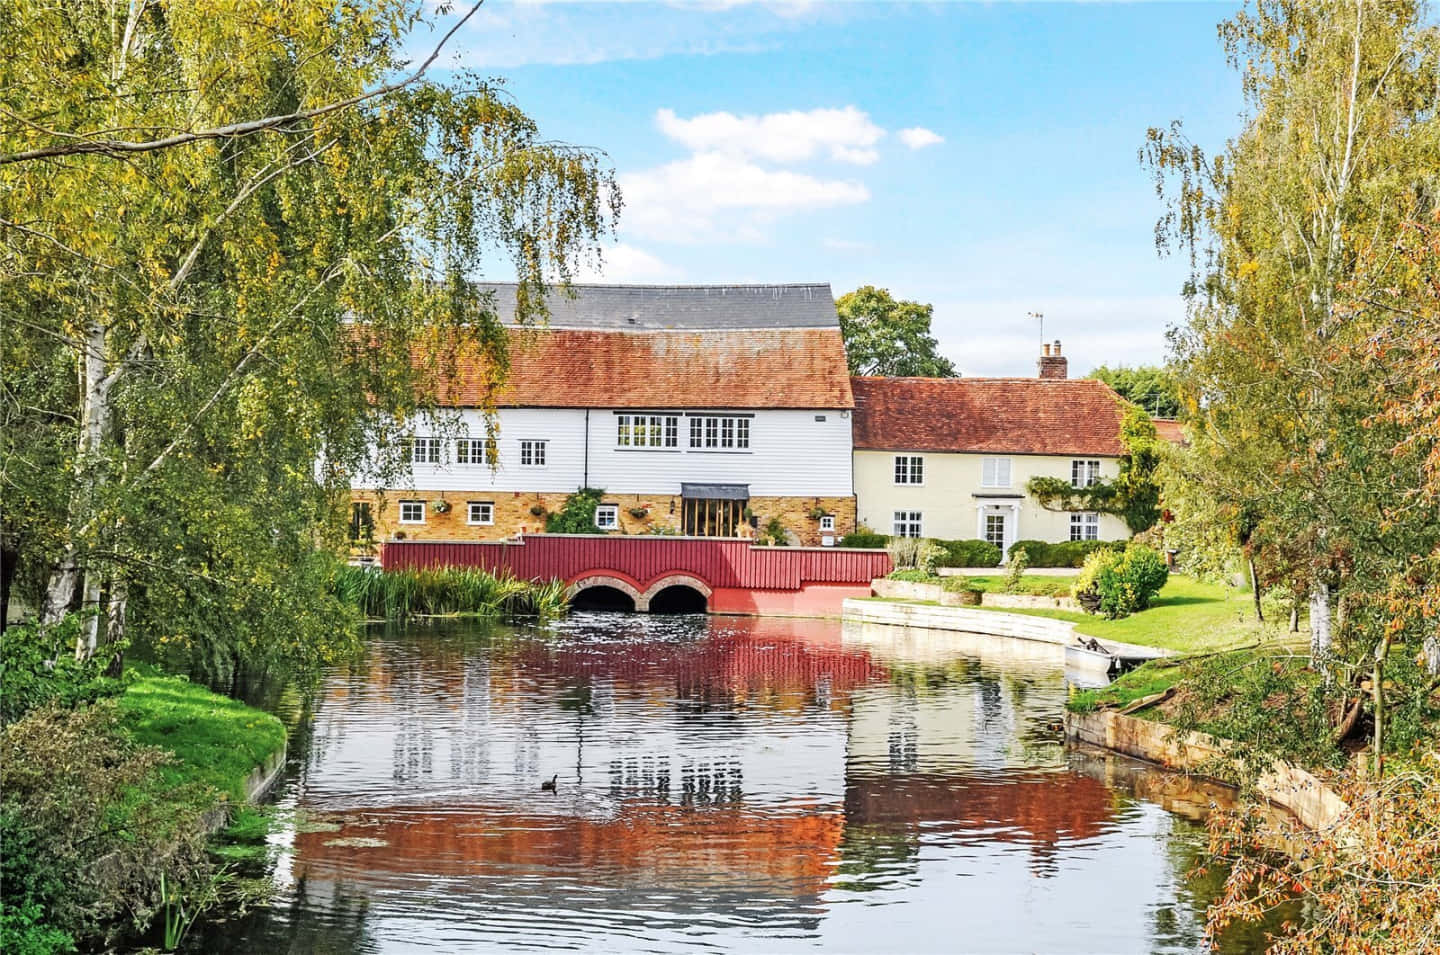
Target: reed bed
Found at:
x=446, y=591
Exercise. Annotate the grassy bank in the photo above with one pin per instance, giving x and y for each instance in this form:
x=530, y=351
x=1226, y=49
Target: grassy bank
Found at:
x=1188, y=616
x=217, y=741
x=447, y=591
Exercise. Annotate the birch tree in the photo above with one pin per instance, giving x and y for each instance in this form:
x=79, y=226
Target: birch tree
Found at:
x=200, y=206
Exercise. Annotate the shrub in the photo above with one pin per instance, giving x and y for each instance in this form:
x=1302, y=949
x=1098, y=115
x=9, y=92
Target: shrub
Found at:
x=1019, y=561
x=1063, y=553
x=577, y=516
x=912, y=575
x=969, y=553
x=917, y=552
x=38, y=666
x=775, y=534
x=864, y=539
x=89, y=827
x=1118, y=585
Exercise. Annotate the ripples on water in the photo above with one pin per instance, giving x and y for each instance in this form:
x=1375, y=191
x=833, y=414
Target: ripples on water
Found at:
x=744, y=784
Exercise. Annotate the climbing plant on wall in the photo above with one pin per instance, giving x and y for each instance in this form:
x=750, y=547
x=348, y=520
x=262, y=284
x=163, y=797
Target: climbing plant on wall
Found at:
x=1134, y=494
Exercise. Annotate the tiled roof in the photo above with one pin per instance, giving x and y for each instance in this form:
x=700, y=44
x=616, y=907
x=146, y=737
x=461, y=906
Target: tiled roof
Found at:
x=1169, y=429
x=575, y=368
x=1000, y=415
x=632, y=307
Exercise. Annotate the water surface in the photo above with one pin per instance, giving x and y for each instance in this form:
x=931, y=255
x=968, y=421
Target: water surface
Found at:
x=722, y=784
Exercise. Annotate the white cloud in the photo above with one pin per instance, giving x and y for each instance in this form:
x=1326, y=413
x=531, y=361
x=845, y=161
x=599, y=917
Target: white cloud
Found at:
x=625, y=263
x=713, y=195
x=846, y=245
x=918, y=137
x=846, y=134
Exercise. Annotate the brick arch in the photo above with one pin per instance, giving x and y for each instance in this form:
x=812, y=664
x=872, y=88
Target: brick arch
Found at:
x=586, y=581
x=676, y=580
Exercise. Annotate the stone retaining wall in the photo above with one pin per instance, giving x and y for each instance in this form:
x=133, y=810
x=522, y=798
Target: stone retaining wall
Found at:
x=1285, y=785
x=1020, y=626
x=914, y=590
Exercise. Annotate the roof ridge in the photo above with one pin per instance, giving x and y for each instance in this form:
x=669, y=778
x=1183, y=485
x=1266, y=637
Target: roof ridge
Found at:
x=656, y=285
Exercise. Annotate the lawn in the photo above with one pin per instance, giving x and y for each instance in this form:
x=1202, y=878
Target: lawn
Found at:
x=1189, y=616
x=217, y=741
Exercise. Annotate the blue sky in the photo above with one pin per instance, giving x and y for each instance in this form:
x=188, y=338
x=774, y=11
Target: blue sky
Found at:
x=977, y=156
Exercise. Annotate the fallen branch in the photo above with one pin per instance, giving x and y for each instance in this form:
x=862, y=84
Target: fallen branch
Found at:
x=1136, y=706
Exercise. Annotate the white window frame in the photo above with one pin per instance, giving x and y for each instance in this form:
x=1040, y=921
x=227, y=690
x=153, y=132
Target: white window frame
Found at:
x=420, y=449
x=723, y=433
x=1084, y=472
x=908, y=524
x=611, y=513
x=990, y=472
x=473, y=452
x=485, y=508
x=910, y=470
x=532, y=445
x=412, y=520
x=647, y=432
x=1084, y=525
x=827, y=523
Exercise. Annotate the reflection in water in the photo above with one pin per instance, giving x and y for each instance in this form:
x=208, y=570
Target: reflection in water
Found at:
x=747, y=784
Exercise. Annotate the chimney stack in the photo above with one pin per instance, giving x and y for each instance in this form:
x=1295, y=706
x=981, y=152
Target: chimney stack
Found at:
x=1051, y=364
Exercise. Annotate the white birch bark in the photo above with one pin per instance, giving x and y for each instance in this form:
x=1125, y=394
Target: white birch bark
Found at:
x=1320, y=632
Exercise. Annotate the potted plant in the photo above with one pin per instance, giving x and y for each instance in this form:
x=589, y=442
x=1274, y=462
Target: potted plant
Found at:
x=537, y=509
x=817, y=512
x=440, y=505
x=640, y=512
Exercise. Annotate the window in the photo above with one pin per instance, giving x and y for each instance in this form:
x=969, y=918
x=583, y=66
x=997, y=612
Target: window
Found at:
x=827, y=523
x=711, y=517
x=475, y=451
x=480, y=512
x=995, y=472
x=532, y=453
x=907, y=524
x=1084, y=473
x=995, y=530
x=1085, y=526
x=362, y=524
x=420, y=451
x=909, y=469
x=607, y=517
x=647, y=431
x=412, y=512
x=719, y=433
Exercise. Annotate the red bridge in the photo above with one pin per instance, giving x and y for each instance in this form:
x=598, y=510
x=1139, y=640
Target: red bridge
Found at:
x=666, y=574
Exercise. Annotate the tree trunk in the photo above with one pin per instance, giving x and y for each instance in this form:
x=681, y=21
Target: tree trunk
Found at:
x=115, y=626
x=1320, y=637
x=1294, y=615
x=1431, y=649
x=88, y=636
x=1255, y=589
x=1378, y=689
x=9, y=564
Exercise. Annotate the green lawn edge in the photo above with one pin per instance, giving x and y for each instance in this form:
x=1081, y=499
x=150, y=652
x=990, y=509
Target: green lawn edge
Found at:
x=217, y=741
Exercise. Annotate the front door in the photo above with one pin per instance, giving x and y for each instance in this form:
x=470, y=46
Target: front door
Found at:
x=997, y=528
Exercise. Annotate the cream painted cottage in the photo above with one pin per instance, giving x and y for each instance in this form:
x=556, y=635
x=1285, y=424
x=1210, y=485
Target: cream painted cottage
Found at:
x=950, y=457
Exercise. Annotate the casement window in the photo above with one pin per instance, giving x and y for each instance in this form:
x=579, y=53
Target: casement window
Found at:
x=607, y=516
x=476, y=451
x=647, y=431
x=906, y=524
x=827, y=523
x=412, y=512
x=1084, y=473
x=480, y=512
x=1085, y=526
x=719, y=433
x=532, y=453
x=909, y=469
x=995, y=472
x=420, y=450
x=995, y=530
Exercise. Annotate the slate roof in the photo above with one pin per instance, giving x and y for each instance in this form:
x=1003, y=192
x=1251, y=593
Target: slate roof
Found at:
x=987, y=415
x=642, y=307
x=678, y=370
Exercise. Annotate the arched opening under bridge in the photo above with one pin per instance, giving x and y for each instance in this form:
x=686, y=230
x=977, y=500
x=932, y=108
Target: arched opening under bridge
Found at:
x=678, y=598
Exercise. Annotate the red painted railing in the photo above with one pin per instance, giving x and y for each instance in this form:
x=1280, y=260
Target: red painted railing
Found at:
x=720, y=563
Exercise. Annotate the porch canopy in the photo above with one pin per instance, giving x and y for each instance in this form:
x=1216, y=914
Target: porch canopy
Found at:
x=715, y=492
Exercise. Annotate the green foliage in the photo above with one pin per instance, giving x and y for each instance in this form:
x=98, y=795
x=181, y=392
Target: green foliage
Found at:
x=181, y=342
x=1150, y=387
x=1145, y=680
x=914, y=552
x=968, y=553
x=889, y=338
x=1124, y=582
x=866, y=540
x=76, y=789
x=38, y=668
x=444, y=591
x=1064, y=553
x=22, y=927
x=1015, y=569
x=774, y=534
x=914, y=575
x=577, y=514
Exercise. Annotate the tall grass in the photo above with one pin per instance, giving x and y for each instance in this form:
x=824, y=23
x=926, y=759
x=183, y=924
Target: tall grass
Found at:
x=446, y=591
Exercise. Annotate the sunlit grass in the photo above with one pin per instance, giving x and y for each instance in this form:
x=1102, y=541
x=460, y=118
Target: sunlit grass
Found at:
x=446, y=591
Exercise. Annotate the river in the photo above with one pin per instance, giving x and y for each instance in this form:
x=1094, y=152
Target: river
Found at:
x=721, y=784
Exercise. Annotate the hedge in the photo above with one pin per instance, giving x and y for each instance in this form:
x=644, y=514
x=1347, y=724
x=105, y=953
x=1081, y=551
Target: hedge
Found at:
x=1065, y=553
x=867, y=541
x=969, y=553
